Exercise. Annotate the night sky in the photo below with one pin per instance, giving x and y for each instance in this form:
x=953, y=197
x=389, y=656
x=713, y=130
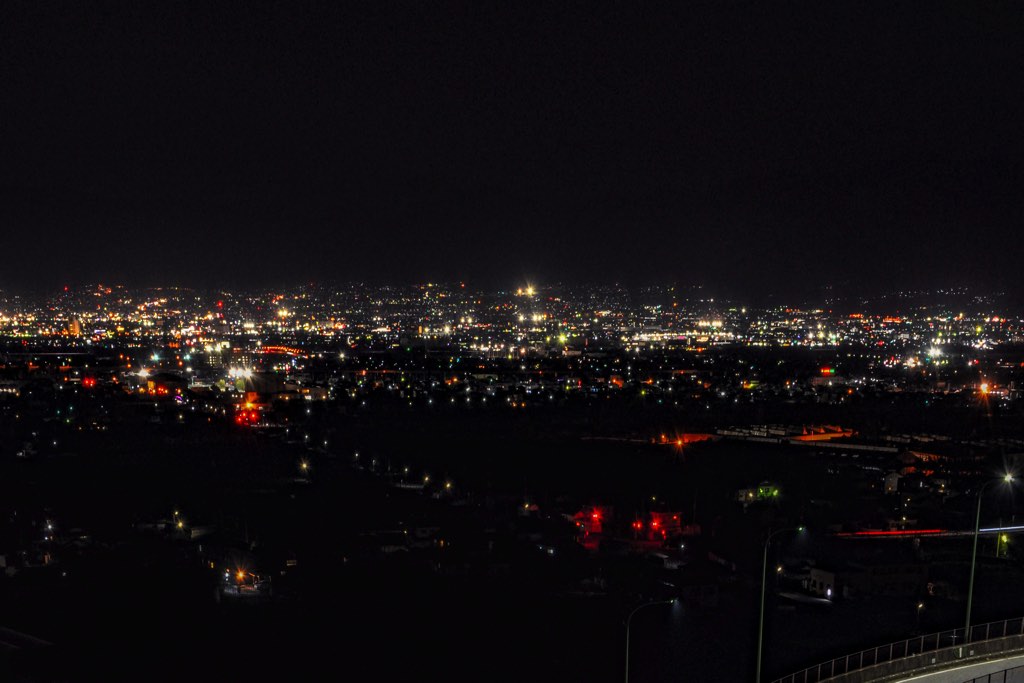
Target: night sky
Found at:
x=755, y=147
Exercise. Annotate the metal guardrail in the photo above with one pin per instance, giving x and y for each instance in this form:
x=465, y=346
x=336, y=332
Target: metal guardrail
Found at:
x=905, y=648
x=1014, y=675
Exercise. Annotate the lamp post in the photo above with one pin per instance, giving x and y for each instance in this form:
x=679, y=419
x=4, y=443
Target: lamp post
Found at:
x=764, y=572
x=1008, y=478
x=630, y=617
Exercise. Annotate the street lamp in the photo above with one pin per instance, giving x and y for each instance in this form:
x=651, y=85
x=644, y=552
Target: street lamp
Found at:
x=764, y=571
x=630, y=617
x=1007, y=479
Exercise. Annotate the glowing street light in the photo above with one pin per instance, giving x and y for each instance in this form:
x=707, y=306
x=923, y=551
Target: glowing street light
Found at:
x=764, y=572
x=1006, y=479
x=630, y=618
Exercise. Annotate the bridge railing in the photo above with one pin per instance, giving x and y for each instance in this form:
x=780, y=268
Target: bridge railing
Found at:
x=1014, y=675
x=904, y=648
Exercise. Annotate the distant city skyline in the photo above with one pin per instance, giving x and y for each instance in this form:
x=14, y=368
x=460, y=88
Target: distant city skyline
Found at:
x=820, y=295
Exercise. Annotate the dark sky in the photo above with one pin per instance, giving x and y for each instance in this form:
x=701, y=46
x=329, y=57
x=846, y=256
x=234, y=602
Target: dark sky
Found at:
x=756, y=146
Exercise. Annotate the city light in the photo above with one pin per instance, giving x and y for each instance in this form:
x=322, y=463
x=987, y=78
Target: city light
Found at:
x=625, y=273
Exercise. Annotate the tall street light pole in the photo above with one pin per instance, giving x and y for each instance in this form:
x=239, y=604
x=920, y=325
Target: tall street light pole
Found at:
x=630, y=618
x=1007, y=479
x=764, y=573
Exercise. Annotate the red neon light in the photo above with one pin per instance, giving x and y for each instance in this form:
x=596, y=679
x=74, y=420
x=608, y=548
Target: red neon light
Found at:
x=898, y=532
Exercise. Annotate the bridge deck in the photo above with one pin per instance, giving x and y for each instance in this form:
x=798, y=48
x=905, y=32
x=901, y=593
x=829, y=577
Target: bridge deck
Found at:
x=967, y=672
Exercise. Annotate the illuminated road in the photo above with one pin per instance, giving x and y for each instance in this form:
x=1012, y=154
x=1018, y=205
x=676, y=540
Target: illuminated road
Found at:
x=966, y=672
x=927, y=533
x=12, y=641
